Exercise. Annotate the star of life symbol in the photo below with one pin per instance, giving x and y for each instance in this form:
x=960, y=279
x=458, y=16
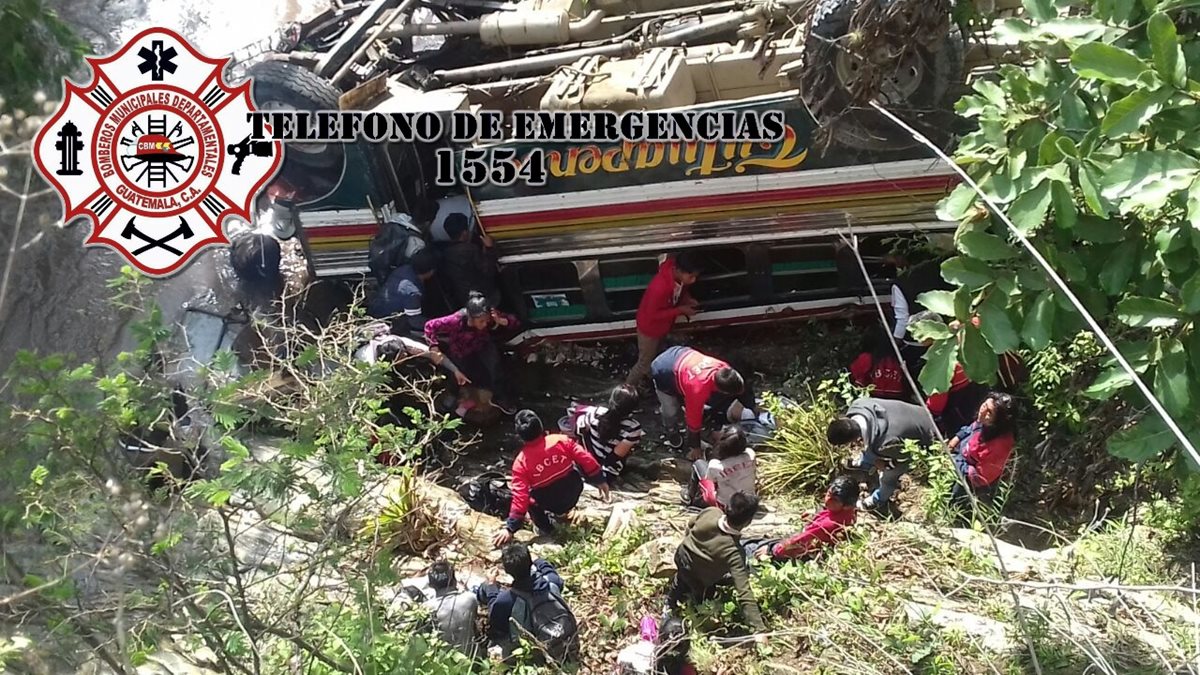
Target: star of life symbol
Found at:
x=146, y=150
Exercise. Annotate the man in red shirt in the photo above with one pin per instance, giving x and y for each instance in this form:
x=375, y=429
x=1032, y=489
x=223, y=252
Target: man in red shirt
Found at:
x=685, y=379
x=665, y=300
x=825, y=529
x=546, y=477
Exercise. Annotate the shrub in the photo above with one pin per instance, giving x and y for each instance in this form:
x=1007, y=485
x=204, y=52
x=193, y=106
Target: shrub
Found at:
x=798, y=456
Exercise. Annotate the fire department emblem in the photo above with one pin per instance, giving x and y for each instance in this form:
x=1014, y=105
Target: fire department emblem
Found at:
x=155, y=150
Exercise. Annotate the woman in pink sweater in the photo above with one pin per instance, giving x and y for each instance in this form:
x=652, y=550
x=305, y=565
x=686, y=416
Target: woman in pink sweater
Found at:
x=981, y=450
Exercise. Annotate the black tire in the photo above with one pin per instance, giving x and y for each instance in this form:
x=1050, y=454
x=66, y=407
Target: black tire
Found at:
x=939, y=71
x=277, y=84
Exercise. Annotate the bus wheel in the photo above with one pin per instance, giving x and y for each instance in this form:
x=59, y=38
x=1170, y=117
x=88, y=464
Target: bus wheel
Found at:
x=280, y=86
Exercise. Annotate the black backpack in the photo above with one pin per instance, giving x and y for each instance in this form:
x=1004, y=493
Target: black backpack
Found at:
x=548, y=621
x=487, y=493
x=392, y=246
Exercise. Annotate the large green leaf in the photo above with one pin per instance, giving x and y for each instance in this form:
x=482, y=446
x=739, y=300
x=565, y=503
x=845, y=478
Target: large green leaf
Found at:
x=967, y=272
x=1145, y=440
x=1193, y=205
x=941, y=302
x=1190, y=294
x=957, y=204
x=929, y=330
x=1132, y=112
x=1171, y=384
x=1147, y=179
x=978, y=359
x=1040, y=10
x=1089, y=185
x=1039, y=322
x=985, y=246
x=1066, y=214
x=1108, y=383
x=1168, y=55
x=1028, y=210
x=1118, y=268
x=1097, y=61
x=996, y=325
x=939, y=366
x=1141, y=312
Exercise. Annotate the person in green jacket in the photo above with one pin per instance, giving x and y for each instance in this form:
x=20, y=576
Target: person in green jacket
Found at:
x=712, y=548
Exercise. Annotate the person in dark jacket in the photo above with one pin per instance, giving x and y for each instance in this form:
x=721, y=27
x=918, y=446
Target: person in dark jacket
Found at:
x=685, y=380
x=528, y=575
x=400, y=296
x=982, y=449
x=882, y=426
x=665, y=300
x=467, y=264
x=712, y=548
x=468, y=336
x=546, y=477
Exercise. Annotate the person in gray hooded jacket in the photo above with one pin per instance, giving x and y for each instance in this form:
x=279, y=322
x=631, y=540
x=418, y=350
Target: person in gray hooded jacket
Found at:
x=453, y=611
x=882, y=426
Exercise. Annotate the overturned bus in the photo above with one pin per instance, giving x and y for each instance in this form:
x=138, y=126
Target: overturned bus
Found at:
x=576, y=252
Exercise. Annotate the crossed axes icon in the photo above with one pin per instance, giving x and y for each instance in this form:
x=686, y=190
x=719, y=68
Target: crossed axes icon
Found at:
x=131, y=230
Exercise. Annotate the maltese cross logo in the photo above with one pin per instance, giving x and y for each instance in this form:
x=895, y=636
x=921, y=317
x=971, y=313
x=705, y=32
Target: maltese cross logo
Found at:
x=148, y=150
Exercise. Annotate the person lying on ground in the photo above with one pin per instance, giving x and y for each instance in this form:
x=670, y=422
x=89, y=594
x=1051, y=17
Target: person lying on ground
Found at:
x=878, y=367
x=982, y=449
x=469, y=336
x=734, y=470
x=468, y=263
x=881, y=426
x=546, y=477
x=453, y=610
x=685, y=379
x=825, y=529
x=386, y=346
x=712, y=548
x=399, y=298
x=665, y=300
x=511, y=610
x=611, y=433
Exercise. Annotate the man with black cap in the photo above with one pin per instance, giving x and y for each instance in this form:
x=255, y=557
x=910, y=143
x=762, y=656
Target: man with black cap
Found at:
x=467, y=265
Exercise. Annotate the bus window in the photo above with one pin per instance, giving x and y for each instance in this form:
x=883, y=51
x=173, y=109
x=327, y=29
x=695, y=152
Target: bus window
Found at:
x=624, y=281
x=803, y=270
x=725, y=280
x=550, y=292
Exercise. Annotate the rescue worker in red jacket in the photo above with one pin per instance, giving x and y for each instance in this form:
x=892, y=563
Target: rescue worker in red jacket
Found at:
x=685, y=379
x=546, y=477
x=981, y=450
x=665, y=300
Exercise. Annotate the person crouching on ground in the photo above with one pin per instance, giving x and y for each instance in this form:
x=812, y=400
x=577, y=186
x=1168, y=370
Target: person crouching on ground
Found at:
x=981, y=451
x=715, y=481
x=611, y=433
x=546, y=477
x=468, y=336
x=825, y=529
x=452, y=610
x=685, y=379
x=881, y=426
x=712, y=548
x=531, y=580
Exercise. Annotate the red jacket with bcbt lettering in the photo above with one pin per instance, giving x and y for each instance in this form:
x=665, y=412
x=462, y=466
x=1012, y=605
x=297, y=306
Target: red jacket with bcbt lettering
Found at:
x=540, y=466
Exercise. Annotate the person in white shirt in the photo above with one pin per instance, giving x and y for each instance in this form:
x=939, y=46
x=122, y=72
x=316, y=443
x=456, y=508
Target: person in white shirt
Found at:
x=384, y=345
x=735, y=469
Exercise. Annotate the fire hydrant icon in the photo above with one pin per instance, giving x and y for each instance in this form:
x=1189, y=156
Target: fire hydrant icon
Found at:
x=69, y=145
